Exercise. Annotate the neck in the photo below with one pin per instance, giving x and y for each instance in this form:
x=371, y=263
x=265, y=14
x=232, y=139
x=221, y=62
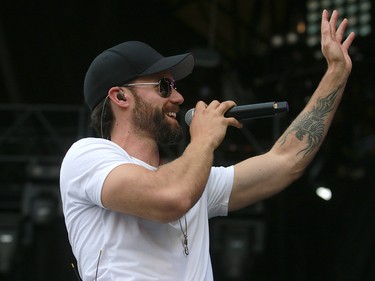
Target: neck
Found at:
x=142, y=148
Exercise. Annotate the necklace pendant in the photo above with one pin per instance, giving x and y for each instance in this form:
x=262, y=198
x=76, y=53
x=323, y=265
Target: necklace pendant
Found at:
x=186, y=248
x=185, y=239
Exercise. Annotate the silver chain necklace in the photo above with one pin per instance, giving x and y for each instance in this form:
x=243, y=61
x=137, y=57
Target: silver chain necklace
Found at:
x=185, y=234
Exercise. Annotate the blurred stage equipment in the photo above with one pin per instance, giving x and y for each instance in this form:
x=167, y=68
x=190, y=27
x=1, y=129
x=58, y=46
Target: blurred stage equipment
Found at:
x=358, y=12
x=236, y=243
x=9, y=224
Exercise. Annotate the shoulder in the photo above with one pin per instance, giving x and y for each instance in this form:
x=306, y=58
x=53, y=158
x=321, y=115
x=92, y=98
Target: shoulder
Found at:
x=94, y=147
x=88, y=162
x=93, y=153
x=92, y=142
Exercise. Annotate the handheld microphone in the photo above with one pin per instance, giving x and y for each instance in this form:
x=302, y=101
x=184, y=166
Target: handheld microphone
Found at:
x=249, y=111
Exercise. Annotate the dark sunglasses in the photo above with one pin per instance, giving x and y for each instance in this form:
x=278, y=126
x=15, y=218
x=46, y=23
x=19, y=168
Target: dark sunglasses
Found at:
x=165, y=86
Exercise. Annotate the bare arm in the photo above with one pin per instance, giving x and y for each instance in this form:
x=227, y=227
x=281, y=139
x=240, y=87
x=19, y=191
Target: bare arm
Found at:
x=262, y=176
x=169, y=192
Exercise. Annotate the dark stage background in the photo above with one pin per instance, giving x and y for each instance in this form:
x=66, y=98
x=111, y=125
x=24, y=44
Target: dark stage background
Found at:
x=248, y=51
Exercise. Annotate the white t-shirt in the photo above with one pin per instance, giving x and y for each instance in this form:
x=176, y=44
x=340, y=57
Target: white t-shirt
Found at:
x=124, y=247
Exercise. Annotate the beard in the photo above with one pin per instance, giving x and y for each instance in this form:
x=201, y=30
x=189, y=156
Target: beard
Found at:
x=151, y=122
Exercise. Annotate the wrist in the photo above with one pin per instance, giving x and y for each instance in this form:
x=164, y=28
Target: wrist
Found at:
x=339, y=70
x=200, y=149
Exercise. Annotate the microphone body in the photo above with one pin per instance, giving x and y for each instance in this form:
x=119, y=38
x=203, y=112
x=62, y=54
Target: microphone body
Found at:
x=249, y=111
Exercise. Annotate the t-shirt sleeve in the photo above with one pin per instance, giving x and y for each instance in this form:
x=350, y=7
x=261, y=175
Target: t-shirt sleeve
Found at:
x=85, y=169
x=219, y=187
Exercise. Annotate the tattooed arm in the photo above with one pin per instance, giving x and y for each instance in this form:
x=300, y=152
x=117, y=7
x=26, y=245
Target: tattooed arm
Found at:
x=310, y=126
x=262, y=176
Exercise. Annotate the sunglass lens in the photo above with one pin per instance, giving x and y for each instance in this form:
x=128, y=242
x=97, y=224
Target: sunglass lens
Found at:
x=166, y=87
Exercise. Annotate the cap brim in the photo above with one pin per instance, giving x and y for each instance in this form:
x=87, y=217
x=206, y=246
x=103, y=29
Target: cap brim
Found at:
x=179, y=66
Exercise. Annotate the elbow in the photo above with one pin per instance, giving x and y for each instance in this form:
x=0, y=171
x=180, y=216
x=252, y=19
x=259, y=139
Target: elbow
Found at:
x=290, y=169
x=295, y=175
x=174, y=208
x=296, y=171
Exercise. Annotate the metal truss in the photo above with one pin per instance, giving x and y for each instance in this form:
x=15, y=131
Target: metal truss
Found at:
x=33, y=140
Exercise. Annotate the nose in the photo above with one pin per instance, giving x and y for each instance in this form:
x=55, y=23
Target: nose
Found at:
x=176, y=97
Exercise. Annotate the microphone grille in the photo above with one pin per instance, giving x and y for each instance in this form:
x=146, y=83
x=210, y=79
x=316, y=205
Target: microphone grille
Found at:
x=189, y=116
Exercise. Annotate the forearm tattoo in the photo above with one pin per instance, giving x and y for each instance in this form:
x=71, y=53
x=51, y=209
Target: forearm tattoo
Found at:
x=310, y=125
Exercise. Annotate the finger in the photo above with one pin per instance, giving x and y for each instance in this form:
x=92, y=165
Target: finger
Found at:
x=226, y=105
x=325, y=16
x=200, y=106
x=325, y=23
x=333, y=22
x=213, y=104
x=349, y=40
x=341, y=30
x=234, y=122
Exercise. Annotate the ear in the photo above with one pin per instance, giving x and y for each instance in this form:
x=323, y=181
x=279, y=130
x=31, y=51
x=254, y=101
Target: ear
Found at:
x=118, y=96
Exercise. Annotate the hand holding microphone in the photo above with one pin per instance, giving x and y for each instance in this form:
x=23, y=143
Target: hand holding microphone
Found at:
x=249, y=111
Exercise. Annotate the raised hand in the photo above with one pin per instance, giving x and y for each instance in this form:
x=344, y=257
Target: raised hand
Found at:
x=334, y=47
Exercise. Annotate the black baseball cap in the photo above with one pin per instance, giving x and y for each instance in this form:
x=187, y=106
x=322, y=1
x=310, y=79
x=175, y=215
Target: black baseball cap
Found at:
x=127, y=61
